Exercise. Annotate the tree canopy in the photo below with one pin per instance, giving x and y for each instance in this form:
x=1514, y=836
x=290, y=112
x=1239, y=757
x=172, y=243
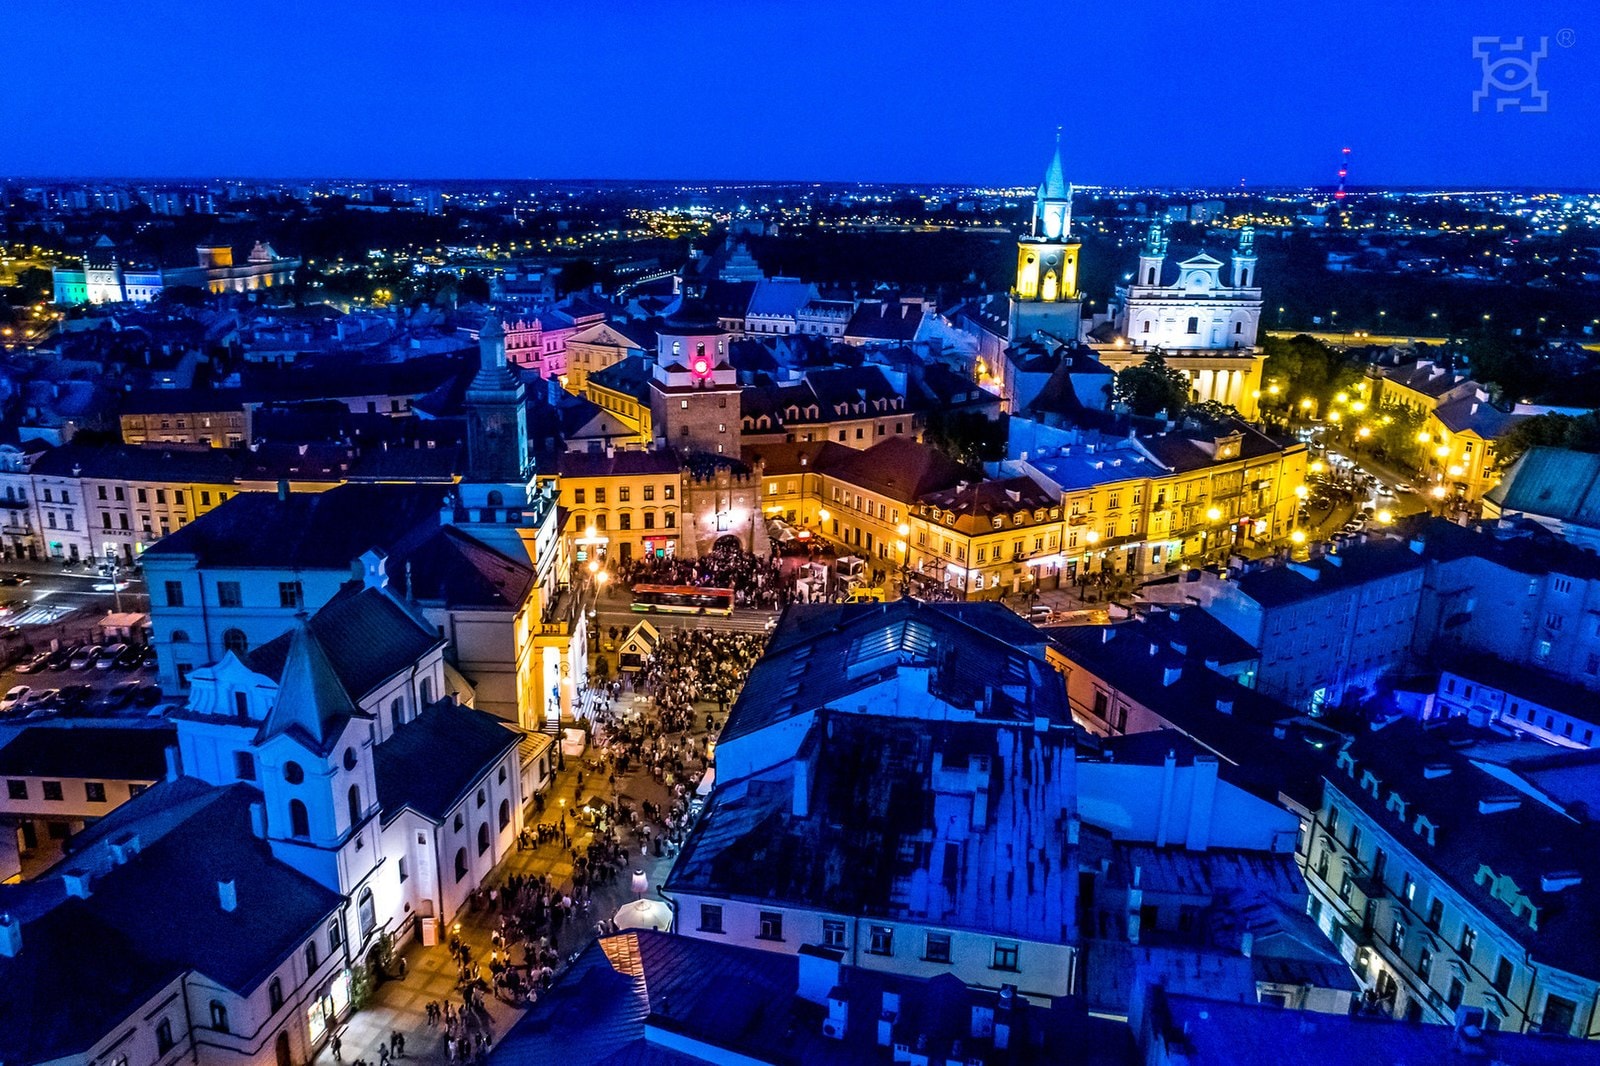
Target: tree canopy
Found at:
x=1581, y=433
x=1153, y=387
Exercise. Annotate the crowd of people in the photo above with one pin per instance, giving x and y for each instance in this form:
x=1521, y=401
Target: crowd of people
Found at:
x=756, y=582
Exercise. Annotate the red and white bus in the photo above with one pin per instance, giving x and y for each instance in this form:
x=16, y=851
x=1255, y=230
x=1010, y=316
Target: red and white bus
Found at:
x=682, y=599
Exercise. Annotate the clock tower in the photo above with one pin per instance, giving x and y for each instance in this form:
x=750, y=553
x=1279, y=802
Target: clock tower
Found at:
x=1045, y=296
x=694, y=390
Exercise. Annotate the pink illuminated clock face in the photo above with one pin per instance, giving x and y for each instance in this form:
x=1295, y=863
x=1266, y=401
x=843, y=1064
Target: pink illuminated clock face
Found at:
x=701, y=367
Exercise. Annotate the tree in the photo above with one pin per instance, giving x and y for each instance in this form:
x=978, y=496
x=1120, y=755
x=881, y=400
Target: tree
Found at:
x=1307, y=368
x=1152, y=387
x=968, y=437
x=1395, y=435
x=1581, y=433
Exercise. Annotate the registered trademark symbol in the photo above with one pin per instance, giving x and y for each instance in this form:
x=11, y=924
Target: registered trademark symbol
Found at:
x=1566, y=38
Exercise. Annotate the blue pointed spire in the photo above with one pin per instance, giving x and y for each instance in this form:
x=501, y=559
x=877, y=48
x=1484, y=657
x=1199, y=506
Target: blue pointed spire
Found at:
x=1054, y=186
x=310, y=695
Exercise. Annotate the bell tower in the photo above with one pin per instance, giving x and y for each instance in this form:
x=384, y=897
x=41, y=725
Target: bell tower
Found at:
x=1045, y=295
x=497, y=421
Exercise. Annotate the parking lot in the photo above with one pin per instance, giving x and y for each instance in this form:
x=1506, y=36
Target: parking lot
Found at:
x=54, y=659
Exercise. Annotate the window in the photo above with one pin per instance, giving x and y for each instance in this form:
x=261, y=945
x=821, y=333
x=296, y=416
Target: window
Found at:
x=174, y=593
x=290, y=594
x=1456, y=993
x=219, y=1016
x=459, y=822
x=1355, y=841
x=292, y=773
x=229, y=594
x=483, y=838
x=1435, y=913
x=1502, y=976
x=624, y=494
x=482, y=797
x=710, y=918
x=600, y=495
x=1469, y=941
x=881, y=941
x=1397, y=936
x=504, y=816
x=1558, y=1016
x=1425, y=965
x=626, y=520
x=771, y=925
x=235, y=641
x=649, y=493
x=1005, y=956
x=275, y=995
x=937, y=948
x=833, y=933
x=667, y=492
x=94, y=791
x=366, y=913
x=461, y=864
x=52, y=790
x=1194, y=325
x=1333, y=821
x=17, y=790
x=353, y=800
x=299, y=820
x=164, y=1041
x=578, y=495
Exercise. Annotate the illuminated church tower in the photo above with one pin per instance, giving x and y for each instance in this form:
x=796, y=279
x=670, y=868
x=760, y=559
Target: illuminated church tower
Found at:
x=1045, y=295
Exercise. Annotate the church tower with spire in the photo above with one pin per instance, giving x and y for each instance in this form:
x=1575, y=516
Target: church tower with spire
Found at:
x=497, y=418
x=1045, y=295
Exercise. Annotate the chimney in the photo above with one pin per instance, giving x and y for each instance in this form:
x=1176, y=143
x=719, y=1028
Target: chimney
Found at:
x=10, y=936
x=228, y=896
x=1170, y=675
x=258, y=820
x=1202, y=798
x=76, y=882
x=1005, y=1017
x=174, y=767
x=124, y=848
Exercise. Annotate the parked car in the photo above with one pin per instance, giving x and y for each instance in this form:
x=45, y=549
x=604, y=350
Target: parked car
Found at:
x=34, y=663
x=85, y=657
x=13, y=580
x=108, y=656
x=74, y=696
x=40, y=697
x=115, y=698
x=130, y=658
x=147, y=658
x=62, y=656
x=13, y=698
x=147, y=695
x=1405, y=490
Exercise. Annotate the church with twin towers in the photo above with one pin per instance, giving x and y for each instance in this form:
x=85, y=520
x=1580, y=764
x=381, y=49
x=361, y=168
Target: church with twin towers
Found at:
x=1199, y=307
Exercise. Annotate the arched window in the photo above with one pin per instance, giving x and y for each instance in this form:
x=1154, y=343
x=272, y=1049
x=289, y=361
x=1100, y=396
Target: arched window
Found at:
x=292, y=773
x=397, y=710
x=180, y=636
x=311, y=956
x=366, y=913
x=496, y=499
x=425, y=691
x=275, y=995
x=235, y=641
x=461, y=863
x=354, y=797
x=219, y=1016
x=483, y=838
x=350, y=758
x=505, y=813
x=299, y=820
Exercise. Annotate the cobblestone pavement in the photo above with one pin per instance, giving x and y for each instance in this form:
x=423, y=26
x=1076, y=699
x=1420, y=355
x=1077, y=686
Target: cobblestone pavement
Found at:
x=400, y=1004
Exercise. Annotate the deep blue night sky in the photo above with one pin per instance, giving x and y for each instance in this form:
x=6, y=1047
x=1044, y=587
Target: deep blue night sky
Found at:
x=1148, y=92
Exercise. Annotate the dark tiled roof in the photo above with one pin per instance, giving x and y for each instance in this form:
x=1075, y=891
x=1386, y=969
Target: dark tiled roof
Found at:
x=192, y=463
x=1524, y=547
x=629, y=376
x=1209, y=1032
x=820, y=654
x=77, y=749
x=150, y=920
x=365, y=636
x=306, y=531
x=432, y=760
x=900, y=469
x=978, y=504
x=885, y=320
x=1356, y=564
x=453, y=568
x=1552, y=483
x=630, y=462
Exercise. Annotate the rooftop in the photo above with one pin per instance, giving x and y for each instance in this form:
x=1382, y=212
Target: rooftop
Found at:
x=431, y=762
